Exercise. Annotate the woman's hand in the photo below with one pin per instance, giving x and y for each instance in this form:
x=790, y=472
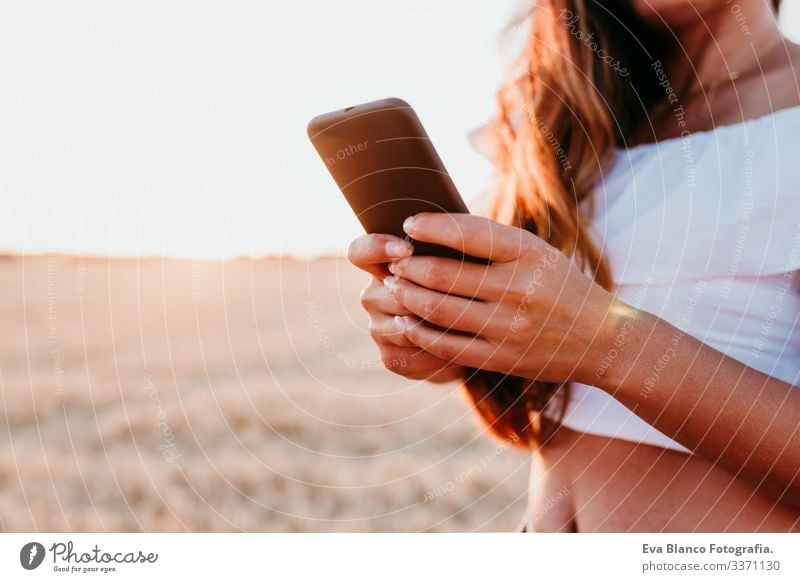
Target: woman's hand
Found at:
x=372, y=253
x=531, y=312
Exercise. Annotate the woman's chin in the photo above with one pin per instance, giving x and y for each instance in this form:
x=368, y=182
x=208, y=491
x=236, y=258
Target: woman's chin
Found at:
x=674, y=13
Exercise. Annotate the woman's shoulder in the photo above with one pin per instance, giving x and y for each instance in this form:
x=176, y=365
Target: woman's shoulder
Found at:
x=779, y=124
x=705, y=204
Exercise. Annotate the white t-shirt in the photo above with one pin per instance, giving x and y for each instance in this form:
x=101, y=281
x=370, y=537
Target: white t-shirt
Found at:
x=703, y=231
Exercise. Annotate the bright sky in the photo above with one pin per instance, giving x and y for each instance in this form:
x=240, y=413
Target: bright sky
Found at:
x=179, y=128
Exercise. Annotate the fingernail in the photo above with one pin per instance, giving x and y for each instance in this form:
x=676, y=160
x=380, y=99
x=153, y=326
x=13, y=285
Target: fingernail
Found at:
x=400, y=322
x=391, y=267
x=399, y=249
x=408, y=224
x=390, y=283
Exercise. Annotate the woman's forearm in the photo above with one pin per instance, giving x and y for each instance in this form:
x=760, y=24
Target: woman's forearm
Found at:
x=733, y=415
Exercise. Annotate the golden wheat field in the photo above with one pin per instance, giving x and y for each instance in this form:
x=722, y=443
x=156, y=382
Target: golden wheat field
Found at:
x=166, y=395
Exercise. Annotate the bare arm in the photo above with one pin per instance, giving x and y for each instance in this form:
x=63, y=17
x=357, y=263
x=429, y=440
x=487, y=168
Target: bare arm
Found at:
x=736, y=416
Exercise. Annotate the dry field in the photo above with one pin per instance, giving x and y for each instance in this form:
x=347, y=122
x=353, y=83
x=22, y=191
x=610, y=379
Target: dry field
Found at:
x=164, y=395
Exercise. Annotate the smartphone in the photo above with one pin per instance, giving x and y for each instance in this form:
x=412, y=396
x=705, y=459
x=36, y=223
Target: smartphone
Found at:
x=387, y=168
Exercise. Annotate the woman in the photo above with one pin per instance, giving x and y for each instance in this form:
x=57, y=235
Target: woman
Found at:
x=637, y=327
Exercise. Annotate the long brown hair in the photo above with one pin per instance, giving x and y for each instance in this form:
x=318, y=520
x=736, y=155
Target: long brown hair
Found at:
x=584, y=82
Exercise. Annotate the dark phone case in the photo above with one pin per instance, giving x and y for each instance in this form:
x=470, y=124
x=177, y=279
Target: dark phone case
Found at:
x=387, y=168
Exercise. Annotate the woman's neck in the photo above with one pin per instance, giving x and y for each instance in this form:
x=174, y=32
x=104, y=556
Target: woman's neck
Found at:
x=721, y=41
x=710, y=48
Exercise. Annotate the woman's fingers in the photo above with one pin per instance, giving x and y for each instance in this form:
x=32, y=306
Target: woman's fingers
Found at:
x=382, y=308
x=473, y=352
x=384, y=331
x=371, y=252
x=417, y=364
x=451, y=276
x=474, y=235
x=376, y=300
x=448, y=311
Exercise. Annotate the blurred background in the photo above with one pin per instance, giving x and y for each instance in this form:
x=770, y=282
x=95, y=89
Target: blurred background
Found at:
x=182, y=347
